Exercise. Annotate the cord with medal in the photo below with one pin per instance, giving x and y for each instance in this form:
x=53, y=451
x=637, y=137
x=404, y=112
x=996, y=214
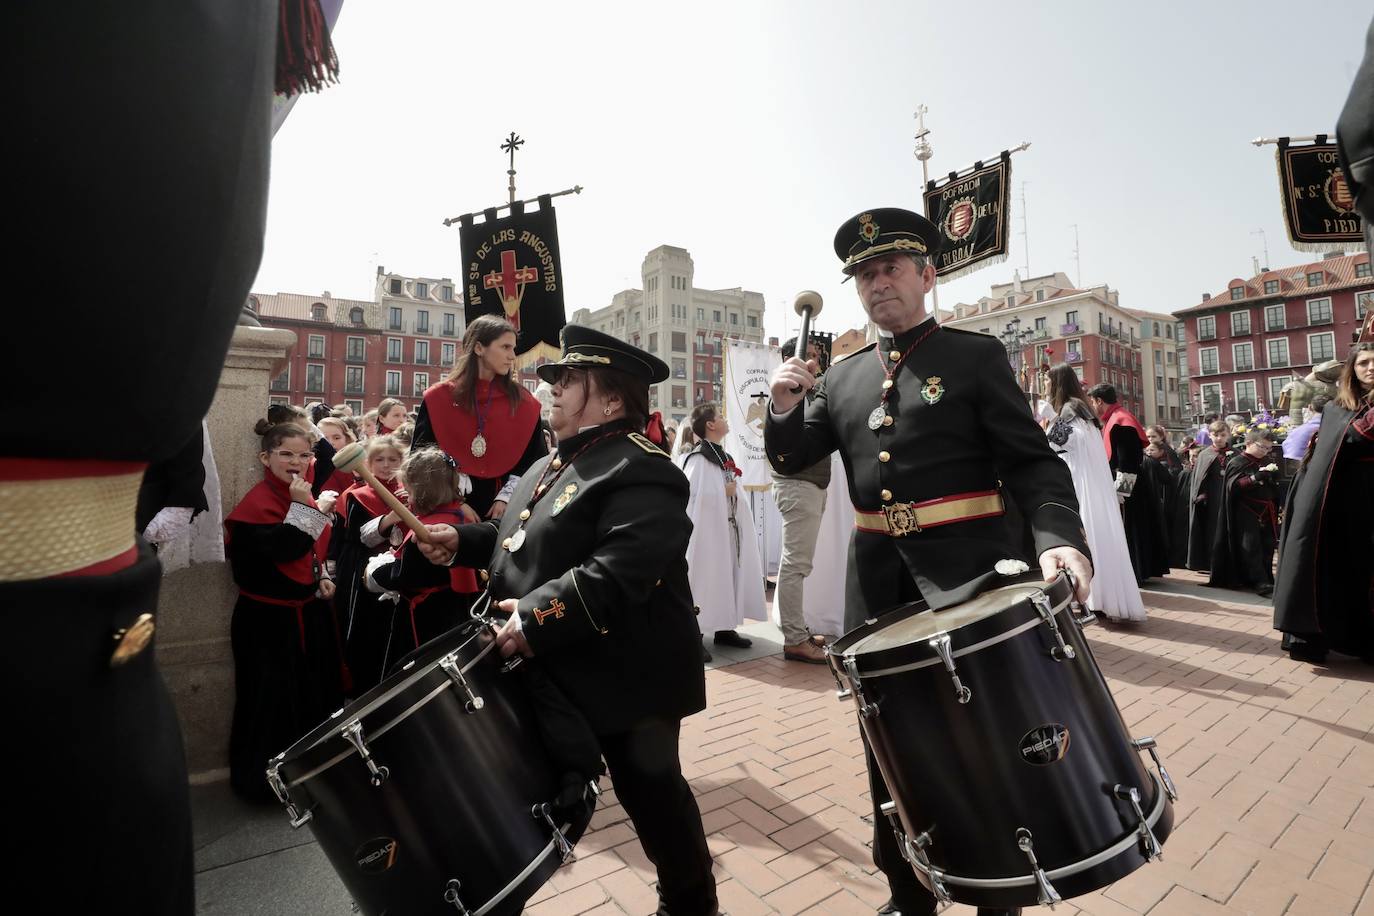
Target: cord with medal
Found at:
x=479, y=442
x=879, y=417
x=558, y=465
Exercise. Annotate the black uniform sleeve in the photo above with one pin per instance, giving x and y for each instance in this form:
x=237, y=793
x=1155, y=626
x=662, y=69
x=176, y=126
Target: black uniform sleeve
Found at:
x=641, y=527
x=805, y=436
x=411, y=572
x=179, y=480
x=423, y=434
x=476, y=544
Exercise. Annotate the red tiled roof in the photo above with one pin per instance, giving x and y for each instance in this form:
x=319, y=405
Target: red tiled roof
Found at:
x=1340, y=274
x=299, y=307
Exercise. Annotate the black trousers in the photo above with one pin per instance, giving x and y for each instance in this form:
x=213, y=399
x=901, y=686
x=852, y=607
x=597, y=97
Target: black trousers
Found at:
x=648, y=780
x=99, y=819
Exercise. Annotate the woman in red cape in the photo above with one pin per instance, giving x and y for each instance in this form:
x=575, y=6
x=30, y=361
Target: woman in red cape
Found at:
x=287, y=662
x=483, y=417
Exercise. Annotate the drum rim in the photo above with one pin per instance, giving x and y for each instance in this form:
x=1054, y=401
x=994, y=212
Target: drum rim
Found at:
x=956, y=653
x=524, y=874
x=1132, y=838
x=410, y=710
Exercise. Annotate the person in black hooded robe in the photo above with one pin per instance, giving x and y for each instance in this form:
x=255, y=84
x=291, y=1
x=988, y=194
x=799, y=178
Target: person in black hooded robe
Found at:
x=1247, y=524
x=1204, y=492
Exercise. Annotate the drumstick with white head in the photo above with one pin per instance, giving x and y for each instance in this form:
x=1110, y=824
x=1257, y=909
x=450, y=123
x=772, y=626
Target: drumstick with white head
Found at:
x=350, y=458
x=807, y=304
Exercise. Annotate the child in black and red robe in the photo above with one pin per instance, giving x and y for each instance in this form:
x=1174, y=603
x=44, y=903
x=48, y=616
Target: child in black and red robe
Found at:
x=435, y=599
x=288, y=673
x=363, y=528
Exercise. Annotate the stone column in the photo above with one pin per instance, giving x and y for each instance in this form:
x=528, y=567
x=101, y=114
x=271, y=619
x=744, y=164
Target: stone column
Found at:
x=195, y=603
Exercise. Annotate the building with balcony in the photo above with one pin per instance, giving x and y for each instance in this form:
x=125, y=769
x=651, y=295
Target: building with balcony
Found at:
x=1166, y=389
x=356, y=352
x=1245, y=343
x=1086, y=328
x=684, y=326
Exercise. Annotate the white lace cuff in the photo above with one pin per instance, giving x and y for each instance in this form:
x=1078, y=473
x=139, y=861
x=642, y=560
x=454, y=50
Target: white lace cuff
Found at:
x=303, y=518
x=508, y=489
x=374, y=564
x=168, y=524
x=371, y=534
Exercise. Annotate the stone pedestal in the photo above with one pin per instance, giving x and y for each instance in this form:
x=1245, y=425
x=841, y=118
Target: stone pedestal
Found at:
x=195, y=603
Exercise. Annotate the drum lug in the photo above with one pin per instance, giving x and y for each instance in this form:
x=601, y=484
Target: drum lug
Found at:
x=1084, y=616
x=451, y=896
x=353, y=734
x=1148, y=843
x=866, y=709
x=841, y=691
x=544, y=811
x=915, y=851
x=279, y=788
x=455, y=674
x=1149, y=744
x=941, y=647
x=1048, y=896
x=1042, y=606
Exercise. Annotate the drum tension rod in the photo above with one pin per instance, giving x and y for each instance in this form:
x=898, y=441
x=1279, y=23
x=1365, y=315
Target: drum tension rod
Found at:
x=941, y=647
x=866, y=708
x=451, y=896
x=353, y=734
x=916, y=850
x=1048, y=896
x=1042, y=606
x=279, y=787
x=544, y=811
x=1148, y=842
x=1149, y=744
x=455, y=674
x=841, y=691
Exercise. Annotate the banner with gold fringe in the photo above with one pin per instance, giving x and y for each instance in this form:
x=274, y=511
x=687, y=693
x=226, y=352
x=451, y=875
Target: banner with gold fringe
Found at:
x=1318, y=207
x=972, y=214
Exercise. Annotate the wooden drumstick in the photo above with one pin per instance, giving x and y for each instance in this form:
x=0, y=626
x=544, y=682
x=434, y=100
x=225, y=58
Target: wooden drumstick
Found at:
x=350, y=458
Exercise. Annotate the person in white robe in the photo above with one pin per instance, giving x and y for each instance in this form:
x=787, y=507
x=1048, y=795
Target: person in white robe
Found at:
x=1076, y=437
x=723, y=565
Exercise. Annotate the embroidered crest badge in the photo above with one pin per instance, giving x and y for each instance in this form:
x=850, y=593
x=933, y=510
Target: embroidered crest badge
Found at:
x=933, y=390
x=867, y=228
x=563, y=499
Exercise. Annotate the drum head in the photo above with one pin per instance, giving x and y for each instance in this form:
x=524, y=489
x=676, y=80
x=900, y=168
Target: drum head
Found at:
x=465, y=639
x=926, y=625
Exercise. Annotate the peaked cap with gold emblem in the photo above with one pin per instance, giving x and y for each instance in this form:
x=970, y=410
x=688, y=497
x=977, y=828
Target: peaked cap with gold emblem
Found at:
x=882, y=231
x=585, y=348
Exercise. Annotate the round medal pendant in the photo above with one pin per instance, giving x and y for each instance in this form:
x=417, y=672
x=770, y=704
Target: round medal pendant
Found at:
x=479, y=446
x=875, y=419
x=517, y=540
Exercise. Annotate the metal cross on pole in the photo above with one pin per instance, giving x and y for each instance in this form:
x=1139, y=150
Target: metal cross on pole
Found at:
x=512, y=144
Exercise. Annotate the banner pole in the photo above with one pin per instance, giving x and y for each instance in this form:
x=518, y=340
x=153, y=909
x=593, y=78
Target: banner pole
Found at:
x=1261, y=141
x=576, y=189
x=923, y=152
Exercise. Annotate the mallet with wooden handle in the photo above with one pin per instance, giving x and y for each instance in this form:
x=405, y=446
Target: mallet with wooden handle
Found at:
x=807, y=304
x=350, y=458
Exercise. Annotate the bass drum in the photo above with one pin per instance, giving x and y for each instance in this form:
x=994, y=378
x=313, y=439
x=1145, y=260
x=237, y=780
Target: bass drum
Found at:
x=432, y=793
x=1014, y=780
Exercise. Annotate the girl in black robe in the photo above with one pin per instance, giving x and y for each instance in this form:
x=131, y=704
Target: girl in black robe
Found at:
x=288, y=673
x=1324, y=591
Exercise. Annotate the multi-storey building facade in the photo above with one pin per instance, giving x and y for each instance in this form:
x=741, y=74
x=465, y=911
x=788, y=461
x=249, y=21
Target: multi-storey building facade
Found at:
x=1247, y=342
x=1087, y=328
x=1166, y=389
x=356, y=352
x=682, y=325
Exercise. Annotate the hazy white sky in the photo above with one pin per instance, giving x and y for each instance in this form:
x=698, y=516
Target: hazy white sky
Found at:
x=746, y=132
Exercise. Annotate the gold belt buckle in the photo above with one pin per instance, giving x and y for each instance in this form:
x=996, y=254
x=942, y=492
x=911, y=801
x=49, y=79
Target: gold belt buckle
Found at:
x=901, y=519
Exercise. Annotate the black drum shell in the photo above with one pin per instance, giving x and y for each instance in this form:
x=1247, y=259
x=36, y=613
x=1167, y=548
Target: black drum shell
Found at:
x=459, y=792
x=957, y=770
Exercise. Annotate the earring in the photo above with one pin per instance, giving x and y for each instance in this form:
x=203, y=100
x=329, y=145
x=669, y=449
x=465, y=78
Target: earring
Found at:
x=606, y=411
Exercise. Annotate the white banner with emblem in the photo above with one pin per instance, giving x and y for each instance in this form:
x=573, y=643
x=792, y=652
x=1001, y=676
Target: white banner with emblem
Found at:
x=744, y=389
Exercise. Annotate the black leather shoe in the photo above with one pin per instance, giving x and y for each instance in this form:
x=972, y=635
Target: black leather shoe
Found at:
x=731, y=638
x=889, y=909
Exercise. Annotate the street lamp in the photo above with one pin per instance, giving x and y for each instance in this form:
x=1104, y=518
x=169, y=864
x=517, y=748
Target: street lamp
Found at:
x=1014, y=340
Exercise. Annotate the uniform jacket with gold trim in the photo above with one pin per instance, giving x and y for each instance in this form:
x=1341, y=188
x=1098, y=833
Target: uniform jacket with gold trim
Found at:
x=960, y=425
x=601, y=579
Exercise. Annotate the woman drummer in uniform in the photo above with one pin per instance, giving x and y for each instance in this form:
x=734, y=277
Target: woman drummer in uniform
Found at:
x=589, y=562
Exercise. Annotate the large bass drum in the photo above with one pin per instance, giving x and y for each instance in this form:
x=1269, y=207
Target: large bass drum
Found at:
x=432, y=793
x=1014, y=780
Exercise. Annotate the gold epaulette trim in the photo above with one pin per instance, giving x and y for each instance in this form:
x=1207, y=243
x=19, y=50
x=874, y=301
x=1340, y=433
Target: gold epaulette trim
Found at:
x=648, y=446
x=58, y=526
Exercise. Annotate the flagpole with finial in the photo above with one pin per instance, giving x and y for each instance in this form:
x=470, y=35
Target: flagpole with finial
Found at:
x=923, y=152
x=512, y=144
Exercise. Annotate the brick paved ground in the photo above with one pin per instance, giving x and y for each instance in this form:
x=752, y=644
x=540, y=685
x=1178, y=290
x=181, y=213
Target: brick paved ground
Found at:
x=1274, y=762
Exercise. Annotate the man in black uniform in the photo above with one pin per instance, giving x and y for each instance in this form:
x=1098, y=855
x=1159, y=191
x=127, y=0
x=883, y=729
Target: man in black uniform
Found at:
x=590, y=562
x=931, y=426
